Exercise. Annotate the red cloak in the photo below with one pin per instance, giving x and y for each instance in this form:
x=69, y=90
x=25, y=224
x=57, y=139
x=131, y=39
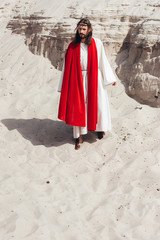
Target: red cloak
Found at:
x=72, y=101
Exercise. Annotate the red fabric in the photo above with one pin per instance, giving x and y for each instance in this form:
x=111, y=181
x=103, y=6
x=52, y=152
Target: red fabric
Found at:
x=72, y=102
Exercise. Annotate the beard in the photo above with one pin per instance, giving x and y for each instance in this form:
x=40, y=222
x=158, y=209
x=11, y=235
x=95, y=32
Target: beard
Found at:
x=82, y=36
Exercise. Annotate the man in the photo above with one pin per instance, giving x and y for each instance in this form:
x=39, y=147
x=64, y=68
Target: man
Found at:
x=86, y=70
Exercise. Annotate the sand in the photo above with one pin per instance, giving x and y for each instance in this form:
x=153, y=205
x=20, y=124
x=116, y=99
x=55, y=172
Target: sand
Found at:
x=107, y=190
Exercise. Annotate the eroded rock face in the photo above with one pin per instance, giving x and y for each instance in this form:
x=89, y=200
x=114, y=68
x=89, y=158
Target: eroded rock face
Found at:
x=50, y=38
x=140, y=68
x=43, y=38
x=129, y=31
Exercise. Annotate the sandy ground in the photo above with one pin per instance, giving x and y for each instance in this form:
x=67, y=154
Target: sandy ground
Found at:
x=107, y=190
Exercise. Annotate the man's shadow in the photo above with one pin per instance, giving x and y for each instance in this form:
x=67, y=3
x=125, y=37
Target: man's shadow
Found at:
x=45, y=132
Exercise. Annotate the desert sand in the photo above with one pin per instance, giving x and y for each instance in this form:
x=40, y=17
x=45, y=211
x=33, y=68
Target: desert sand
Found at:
x=107, y=190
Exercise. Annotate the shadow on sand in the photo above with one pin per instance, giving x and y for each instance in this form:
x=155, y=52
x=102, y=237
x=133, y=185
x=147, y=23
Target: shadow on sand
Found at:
x=45, y=132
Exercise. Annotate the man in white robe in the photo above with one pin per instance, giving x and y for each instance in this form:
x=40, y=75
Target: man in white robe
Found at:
x=105, y=77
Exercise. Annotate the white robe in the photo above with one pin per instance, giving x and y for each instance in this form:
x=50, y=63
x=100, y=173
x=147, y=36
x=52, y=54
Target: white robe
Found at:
x=105, y=77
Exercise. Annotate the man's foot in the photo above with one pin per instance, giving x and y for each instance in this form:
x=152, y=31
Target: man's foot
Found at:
x=78, y=141
x=77, y=145
x=100, y=135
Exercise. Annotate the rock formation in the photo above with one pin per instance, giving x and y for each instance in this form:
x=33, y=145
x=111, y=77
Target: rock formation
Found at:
x=140, y=69
x=129, y=31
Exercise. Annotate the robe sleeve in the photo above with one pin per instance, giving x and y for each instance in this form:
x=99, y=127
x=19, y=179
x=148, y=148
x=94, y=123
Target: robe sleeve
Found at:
x=61, y=78
x=107, y=72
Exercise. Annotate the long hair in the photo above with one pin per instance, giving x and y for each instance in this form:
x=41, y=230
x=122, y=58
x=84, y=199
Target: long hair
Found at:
x=84, y=21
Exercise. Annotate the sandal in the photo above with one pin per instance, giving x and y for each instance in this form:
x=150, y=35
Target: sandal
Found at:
x=78, y=142
x=100, y=135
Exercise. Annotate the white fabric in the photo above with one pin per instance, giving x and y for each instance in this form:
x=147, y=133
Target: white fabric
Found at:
x=105, y=77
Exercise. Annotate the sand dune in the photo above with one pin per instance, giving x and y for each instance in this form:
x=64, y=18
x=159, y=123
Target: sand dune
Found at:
x=108, y=190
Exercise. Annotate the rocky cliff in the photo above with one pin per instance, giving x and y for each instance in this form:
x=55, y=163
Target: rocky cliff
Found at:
x=140, y=68
x=129, y=31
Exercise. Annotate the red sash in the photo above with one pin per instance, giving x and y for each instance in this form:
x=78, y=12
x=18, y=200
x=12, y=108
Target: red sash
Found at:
x=72, y=102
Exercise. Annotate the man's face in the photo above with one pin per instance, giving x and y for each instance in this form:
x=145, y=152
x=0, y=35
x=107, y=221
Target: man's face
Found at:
x=83, y=31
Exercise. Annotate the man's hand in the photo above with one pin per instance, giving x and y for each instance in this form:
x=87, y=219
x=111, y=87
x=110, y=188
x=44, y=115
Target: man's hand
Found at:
x=114, y=84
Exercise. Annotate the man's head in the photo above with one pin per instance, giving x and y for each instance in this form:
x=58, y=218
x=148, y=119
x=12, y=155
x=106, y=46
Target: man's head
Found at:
x=84, y=31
